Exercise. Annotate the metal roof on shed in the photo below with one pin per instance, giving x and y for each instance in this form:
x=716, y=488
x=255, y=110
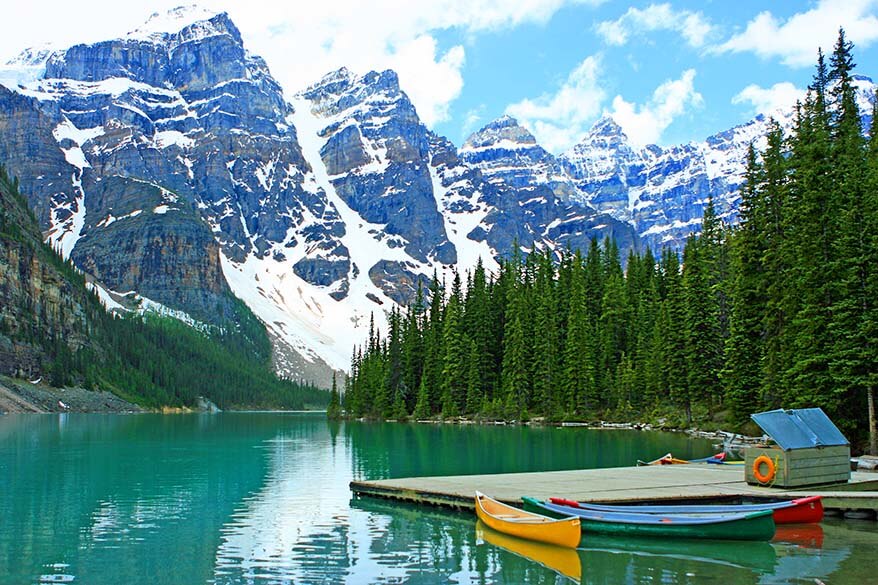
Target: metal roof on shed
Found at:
x=801, y=428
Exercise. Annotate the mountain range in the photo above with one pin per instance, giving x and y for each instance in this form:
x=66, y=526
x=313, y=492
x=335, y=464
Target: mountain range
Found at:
x=177, y=174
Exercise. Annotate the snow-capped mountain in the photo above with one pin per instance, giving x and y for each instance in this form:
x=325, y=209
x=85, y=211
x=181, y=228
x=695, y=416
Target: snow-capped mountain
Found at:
x=159, y=160
x=662, y=191
x=533, y=200
x=171, y=168
x=168, y=165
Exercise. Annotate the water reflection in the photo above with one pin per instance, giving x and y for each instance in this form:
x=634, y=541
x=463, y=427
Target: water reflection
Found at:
x=258, y=498
x=110, y=499
x=295, y=526
x=802, y=556
x=564, y=561
x=803, y=535
x=400, y=450
x=753, y=557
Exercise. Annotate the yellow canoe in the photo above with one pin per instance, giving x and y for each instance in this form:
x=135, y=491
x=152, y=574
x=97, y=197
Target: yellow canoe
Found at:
x=563, y=561
x=516, y=522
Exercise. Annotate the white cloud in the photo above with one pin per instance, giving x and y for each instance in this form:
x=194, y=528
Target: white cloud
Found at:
x=645, y=124
x=559, y=120
x=432, y=82
x=471, y=120
x=693, y=26
x=765, y=100
x=302, y=41
x=795, y=41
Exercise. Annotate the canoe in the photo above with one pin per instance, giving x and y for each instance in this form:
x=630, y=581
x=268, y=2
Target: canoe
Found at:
x=527, y=524
x=749, y=526
x=562, y=560
x=668, y=459
x=798, y=511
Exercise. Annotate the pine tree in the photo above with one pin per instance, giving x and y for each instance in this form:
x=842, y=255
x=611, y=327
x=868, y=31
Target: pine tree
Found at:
x=772, y=207
x=578, y=357
x=480, y=327
x=455, y=355
x=429, y=389
x=333, y=411
x=545, y=341
x=849, y=365
x=808, y=247
x=475, y=395
x=741, y=375
x=675, y=367
x=869, y=323
x=515, y=374
x=614, y=335
x=413, y=350
x=702, y=333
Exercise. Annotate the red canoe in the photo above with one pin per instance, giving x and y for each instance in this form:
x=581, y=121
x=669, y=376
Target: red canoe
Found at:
x=798, y=511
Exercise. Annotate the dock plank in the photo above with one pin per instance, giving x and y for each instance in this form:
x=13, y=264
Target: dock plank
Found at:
x=617, y=484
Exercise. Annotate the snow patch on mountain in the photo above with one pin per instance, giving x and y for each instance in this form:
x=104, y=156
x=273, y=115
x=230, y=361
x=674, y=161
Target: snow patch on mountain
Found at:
x=133, y=302
x=26, y=67
x=68, y=219
x=161, y=24
x=303, y=314
x=459, y=224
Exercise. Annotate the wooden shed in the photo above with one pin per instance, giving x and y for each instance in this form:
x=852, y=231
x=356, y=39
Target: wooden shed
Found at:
x=809, y=450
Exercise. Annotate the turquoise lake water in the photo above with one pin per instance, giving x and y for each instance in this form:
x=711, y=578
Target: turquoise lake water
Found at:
x=263, y=498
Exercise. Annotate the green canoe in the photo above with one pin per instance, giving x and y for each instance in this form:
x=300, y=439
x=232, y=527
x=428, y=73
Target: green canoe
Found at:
x=749, y=526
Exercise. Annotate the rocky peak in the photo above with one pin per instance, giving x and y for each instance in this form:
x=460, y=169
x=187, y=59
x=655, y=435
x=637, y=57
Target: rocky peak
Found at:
x=187, y=49
x=605, y=135
x=371, y=94
x=606, y=126
x=504, y=132
x=184, y=24
x=601, y=151
x=333, y=82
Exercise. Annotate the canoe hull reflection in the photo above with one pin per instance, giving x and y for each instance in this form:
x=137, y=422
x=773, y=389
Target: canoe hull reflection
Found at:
x=564, y=561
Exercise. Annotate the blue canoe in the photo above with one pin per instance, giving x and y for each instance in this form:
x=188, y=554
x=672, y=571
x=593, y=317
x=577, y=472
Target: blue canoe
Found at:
x=747, y=526
x=800, y=510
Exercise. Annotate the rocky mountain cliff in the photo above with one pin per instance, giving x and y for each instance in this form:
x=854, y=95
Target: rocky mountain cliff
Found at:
x=171, y=168
x=36, y=292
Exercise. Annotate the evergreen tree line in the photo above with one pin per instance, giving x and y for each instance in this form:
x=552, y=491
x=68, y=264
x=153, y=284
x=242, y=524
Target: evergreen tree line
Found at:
x=150, y=360
x=778, y=311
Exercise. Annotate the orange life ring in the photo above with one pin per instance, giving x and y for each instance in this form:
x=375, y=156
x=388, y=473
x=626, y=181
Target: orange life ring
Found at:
x=757, y=469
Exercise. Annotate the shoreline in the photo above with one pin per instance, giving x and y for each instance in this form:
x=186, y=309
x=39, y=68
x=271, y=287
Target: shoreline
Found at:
x=735, y=440
x=22, y=397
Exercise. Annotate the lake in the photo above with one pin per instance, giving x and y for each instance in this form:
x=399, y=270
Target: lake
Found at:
x=261, y=498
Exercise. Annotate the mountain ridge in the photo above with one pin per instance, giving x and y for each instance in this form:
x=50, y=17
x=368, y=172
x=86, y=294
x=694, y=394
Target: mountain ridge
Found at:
x=324, y=210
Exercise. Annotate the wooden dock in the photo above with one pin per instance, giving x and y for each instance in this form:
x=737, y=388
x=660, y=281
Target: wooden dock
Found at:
x=658, y=483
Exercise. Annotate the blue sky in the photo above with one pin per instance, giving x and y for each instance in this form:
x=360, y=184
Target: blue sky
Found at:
x=504, y=68
x=668, y=71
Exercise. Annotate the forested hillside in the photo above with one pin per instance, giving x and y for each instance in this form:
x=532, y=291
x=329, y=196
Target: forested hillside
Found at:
x=778, y=311
x=52, y=326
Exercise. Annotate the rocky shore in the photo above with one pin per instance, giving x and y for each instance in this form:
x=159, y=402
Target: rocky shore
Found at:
x=22, y=396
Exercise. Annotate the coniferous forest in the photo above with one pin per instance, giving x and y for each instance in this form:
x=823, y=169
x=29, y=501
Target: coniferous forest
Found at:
x=777, y=311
